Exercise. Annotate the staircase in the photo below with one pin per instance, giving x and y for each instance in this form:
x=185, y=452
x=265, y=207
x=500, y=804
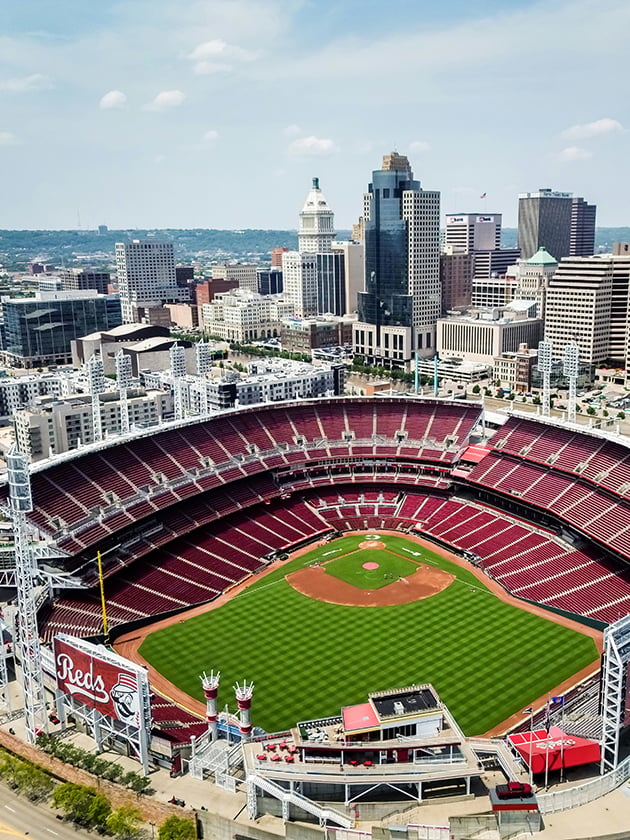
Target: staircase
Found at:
x=288, y=797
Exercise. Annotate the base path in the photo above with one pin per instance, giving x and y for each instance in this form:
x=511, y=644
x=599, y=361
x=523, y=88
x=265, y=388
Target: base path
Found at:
x=316, y=583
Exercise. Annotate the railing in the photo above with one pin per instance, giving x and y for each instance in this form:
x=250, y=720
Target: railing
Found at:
x=562, y=800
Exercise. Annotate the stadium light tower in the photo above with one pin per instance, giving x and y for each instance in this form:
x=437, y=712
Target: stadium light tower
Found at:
x=210, y=683
x=203, y=352
x=244, y=699
x=96, y=382
x=178, y=372
x=570, y=368
x=545, y=351
x=27, y=634
x=123, y=379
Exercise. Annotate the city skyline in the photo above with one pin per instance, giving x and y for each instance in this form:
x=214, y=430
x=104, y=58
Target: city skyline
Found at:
x=218, y=114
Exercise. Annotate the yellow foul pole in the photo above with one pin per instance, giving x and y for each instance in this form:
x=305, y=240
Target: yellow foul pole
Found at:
x=101, y=583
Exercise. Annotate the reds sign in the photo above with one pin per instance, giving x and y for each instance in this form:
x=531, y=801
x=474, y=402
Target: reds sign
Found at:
x=98, y=681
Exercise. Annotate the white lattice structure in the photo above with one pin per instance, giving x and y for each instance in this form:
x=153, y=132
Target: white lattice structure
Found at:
x=571, y=368
x=123, y=379
x=545, y=352
x=178, y=372
x=615, y=690
x=96, y=382
x=27, y=633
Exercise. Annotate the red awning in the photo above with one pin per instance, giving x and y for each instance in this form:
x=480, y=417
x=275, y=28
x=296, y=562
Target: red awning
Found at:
x=556, y=749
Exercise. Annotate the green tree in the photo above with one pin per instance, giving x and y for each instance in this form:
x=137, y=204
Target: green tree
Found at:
x=32, y=781
x=536, y=400
x=138, y=783
x=99, y=811
x=476, y=388
x=74, y=801
x=125, y=822
x=591, y=411
x=177, y=828
x=621, y=415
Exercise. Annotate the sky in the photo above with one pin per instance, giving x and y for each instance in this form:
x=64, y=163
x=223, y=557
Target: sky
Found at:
x=217, y=113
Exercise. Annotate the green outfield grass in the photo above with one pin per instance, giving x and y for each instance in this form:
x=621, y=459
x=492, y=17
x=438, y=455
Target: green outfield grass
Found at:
x=307, y=658
x=349, y=568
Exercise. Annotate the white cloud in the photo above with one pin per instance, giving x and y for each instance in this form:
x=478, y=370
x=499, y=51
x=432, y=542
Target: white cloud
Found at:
x=418, y=146
x=311, y=147
x=26, y=84
x=292, y=130
x=112, y=99
x=165, y=99
x=213, y=56
x=572, y=153
x=7, y=138
x=597, y=128
x=211, y=135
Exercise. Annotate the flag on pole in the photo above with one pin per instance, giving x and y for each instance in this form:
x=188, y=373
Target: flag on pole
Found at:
x=483, y=195
x=558, y=700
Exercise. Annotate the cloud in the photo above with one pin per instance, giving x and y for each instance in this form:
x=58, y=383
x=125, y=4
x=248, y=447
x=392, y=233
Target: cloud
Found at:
x=165, y=99
x=211, y=135
x=311, y=147
x=112, y=99
x=214, y=56
x=26, y=84
x=7, y=138
x=292, y=130
x=572, y=153
x=597, y=128
x=418, y=146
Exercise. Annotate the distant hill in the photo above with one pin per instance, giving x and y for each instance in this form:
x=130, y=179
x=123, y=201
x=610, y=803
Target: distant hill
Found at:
x=75, y=248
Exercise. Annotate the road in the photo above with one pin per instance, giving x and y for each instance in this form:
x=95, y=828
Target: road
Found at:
x=20, y=818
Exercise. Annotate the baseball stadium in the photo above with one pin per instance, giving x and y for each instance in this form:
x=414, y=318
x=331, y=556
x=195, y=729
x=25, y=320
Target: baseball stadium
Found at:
x=374, y=571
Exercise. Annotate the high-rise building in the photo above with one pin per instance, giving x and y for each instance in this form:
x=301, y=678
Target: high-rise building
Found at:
x=578, y=308
x=85, y=278
x=466, y=232
x=39, y=331
x=456, y=276
x=243, y=273
x=269, y=281
x=353, y=271
x=314, y=275
x=317, y=223
x=401, y=302
x=582, y=228
x=146, y=277
x=557, y=221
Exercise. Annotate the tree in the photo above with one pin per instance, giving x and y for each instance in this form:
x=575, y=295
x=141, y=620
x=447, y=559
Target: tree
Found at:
x=99, y=810
x=536, y=400
x=476, y=388
x=621, y=415
x=591, y=411
x=32, y=781
x=177, y=828
x=125, y=822
x=74, y=801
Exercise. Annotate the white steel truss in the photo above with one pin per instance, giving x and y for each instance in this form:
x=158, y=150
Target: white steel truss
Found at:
x=615, y=689
x=27, y=634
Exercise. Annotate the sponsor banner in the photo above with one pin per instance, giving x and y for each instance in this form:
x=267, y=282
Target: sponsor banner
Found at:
x=95, y=679
x=485, y=219
x=454, y=220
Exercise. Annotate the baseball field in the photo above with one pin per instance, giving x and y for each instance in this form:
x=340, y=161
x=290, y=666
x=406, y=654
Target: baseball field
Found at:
x=364, y=613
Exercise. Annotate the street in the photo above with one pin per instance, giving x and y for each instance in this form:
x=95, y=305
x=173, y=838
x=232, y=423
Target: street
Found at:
x=21, y=818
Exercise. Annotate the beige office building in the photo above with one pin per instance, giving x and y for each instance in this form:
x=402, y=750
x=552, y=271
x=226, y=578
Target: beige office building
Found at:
x=483, y=336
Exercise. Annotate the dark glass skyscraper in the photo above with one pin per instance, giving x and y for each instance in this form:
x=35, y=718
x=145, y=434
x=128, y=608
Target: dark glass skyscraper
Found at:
x=401, y=301
x=556, y=221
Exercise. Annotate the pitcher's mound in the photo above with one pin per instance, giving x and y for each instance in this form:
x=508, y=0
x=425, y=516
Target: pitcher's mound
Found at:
x=313, y=582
